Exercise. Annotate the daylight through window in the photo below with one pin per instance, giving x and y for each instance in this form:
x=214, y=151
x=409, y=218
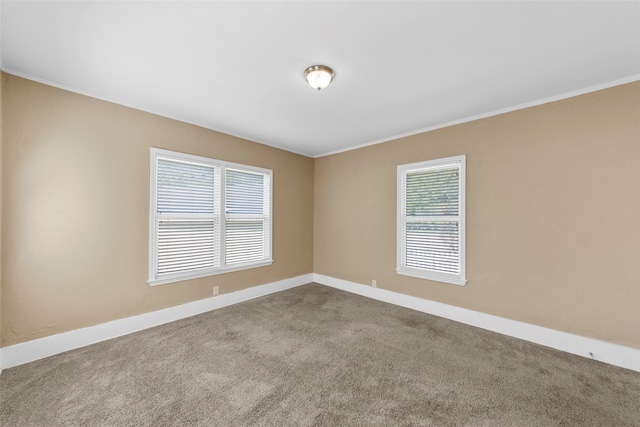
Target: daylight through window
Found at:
x=431, y=220
x=207, y=217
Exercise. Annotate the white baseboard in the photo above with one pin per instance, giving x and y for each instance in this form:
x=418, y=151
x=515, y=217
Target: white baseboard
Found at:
x=29, y=351
x=603, y=351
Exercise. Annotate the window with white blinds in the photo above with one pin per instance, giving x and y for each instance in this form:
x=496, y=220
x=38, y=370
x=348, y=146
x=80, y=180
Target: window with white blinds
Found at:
x=431, y=220
x=248, y=219
x=207, y=217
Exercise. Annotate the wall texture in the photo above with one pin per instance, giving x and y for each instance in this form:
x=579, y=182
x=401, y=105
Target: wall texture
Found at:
x=75, y=211
x=553, y=209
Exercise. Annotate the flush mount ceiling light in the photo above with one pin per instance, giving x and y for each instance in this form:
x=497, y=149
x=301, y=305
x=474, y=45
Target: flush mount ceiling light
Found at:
x=318, y=76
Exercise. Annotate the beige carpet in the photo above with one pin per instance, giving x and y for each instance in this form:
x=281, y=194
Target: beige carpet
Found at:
x=316, y=356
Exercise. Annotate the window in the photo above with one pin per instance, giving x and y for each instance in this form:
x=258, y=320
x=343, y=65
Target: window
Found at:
x=431, y=223
x=207, y=217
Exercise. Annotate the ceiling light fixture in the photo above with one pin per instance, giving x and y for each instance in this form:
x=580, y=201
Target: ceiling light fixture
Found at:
x=318, y=76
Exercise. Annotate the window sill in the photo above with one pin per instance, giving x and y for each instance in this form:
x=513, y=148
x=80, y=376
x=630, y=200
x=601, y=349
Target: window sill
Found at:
x=428, y=275
x=182, y=277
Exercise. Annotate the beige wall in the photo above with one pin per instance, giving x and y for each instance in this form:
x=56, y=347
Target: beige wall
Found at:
x=553, y=236
x=553, y=214
x=76, y=204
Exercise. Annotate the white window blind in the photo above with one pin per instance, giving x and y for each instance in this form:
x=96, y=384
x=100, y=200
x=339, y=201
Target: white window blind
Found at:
x=207, y=217
x=431, y=220
x=188, y=216
x=247, y=221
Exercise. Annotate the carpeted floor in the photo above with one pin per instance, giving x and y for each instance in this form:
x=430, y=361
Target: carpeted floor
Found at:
x=317, y=356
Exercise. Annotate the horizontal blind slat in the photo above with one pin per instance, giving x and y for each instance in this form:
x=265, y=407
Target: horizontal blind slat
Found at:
x=246, y=193
x=190, y=219
x=432, y=192
x=245, y=240
x=187, y=244
x=432, y=246
x=185, y=187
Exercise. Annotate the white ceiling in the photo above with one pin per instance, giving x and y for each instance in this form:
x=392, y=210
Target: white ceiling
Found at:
x=401, y=67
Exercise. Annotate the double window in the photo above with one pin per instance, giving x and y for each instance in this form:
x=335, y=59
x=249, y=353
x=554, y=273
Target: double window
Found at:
x=207, y=217
x=431, y=220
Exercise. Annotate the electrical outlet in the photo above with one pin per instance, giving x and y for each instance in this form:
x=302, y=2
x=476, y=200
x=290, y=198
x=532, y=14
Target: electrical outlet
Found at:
x=216, y=290
x=374, y=283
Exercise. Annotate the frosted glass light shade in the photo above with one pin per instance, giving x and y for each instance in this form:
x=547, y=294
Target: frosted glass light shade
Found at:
x=318, y=76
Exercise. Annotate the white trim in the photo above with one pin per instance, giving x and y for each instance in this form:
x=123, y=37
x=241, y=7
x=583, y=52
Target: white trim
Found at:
x=29, y=351
x=452, y=279
x=614, y=354
x=603, y=351
x=182, y=277
x=566, y=95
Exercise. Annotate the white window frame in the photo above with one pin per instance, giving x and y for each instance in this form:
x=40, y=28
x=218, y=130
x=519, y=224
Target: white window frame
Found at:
x=401, y=267
x=154, y=279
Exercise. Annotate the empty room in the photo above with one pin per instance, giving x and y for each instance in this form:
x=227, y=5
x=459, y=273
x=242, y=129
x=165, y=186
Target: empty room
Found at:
x=320, y=213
